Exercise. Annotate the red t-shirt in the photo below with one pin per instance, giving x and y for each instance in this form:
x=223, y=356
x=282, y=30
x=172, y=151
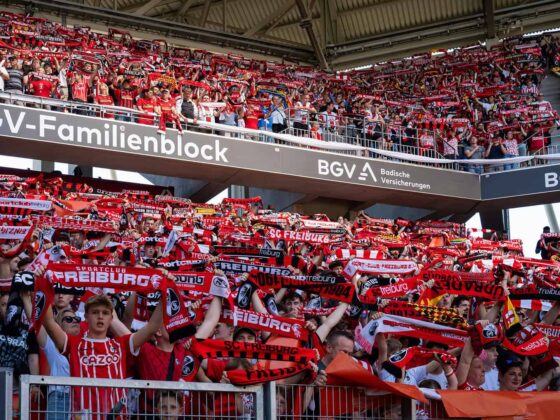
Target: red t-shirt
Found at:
x=105, y=100
x=125, y=97
x=167, y=106
x=42, y=88
x=215, y=369
x=224, y=403
x=252, y=120
x=315, y=134
x=79, y=91
x=98, y=358
x=147, y=105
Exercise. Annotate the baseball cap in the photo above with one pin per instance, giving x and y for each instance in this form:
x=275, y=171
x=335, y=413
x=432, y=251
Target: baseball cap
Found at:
x=239, y=330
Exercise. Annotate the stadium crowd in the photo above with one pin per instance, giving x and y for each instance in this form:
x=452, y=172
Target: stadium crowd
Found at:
x=99, y=284
x=469, y=103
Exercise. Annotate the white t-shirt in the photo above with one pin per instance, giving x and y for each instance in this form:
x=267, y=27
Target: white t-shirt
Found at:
x=58, y=364
x=416, y=375
x=386, y=376
x=491, y=380
x=278, y=116
x=302, y=112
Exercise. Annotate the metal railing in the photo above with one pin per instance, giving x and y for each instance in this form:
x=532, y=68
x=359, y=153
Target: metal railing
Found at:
x=294, y=402
x=380, y=144
x=54, y=397
x=6, y=391
x=356, y=139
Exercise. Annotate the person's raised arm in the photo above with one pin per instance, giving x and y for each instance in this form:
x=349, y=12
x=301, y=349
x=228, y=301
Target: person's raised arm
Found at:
x=552, y=314
x=3, y=73
x=148, y=330
x=28, y=308
x=279, y=295
x=103, y=242
x=464, y=364
x=382, y=353
x=128, y=315
x=332, y=320
x=211, y=319
x=118, y=327
x=54, y=330
x=258, y=306
x=33, y=361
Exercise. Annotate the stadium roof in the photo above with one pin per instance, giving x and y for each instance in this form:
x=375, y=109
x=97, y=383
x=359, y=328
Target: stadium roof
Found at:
x=336, y=34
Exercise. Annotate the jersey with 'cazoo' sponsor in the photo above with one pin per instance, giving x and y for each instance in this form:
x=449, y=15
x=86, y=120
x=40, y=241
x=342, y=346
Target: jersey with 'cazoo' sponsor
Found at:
x=99, y=358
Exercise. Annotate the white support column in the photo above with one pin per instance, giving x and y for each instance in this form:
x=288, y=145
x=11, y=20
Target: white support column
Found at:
x=551, y=216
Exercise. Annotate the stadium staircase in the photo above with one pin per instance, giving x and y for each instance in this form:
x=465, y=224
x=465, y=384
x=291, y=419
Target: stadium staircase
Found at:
x=550, y=88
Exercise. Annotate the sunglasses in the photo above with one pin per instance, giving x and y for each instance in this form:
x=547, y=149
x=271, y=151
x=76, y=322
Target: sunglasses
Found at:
x=71, y=319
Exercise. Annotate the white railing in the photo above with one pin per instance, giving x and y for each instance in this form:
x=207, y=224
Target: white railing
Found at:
x=38, y=398
x=377, y=149
x=93, y=398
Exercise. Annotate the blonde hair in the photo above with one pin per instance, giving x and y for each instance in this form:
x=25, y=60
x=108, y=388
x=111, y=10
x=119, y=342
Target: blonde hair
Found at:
x=98, y=300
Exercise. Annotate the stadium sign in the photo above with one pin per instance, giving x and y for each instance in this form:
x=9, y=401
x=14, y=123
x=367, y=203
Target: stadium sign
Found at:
x=527, y=181
x=550, y=179
x=109, y=134
x=386, y=177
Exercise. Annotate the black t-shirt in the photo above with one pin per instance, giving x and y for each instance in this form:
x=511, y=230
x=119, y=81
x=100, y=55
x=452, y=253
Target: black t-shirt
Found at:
x=496, y=152
x=187, y=109
x=14, y=350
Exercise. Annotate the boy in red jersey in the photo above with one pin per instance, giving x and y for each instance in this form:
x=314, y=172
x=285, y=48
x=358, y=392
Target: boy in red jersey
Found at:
x=148, y=103
x=167, y=107
x=97, y=356
x=103, y=98
x=43, y=88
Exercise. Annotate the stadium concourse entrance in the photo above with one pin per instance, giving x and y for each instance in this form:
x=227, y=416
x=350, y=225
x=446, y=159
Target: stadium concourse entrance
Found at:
x=286, y=176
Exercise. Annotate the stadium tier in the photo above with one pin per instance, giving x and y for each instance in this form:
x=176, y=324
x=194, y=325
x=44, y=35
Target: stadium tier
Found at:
x=471, y=103
x=123, y=302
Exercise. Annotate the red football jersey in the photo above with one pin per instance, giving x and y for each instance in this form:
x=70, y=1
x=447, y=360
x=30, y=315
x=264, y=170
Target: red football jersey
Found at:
x=167, y=106
x=79, y=91
x=98, y=358
x=42, y=88
x=148, y=105
x=104, y=100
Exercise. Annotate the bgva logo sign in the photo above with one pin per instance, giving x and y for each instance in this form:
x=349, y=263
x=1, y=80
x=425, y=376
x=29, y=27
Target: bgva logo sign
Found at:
x=340, y=169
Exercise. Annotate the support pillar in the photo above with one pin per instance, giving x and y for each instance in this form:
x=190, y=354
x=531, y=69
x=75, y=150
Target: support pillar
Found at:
x=43, y=165
x=238, y=191
x=85, y=170
x=497, y=220
x=551, y=216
